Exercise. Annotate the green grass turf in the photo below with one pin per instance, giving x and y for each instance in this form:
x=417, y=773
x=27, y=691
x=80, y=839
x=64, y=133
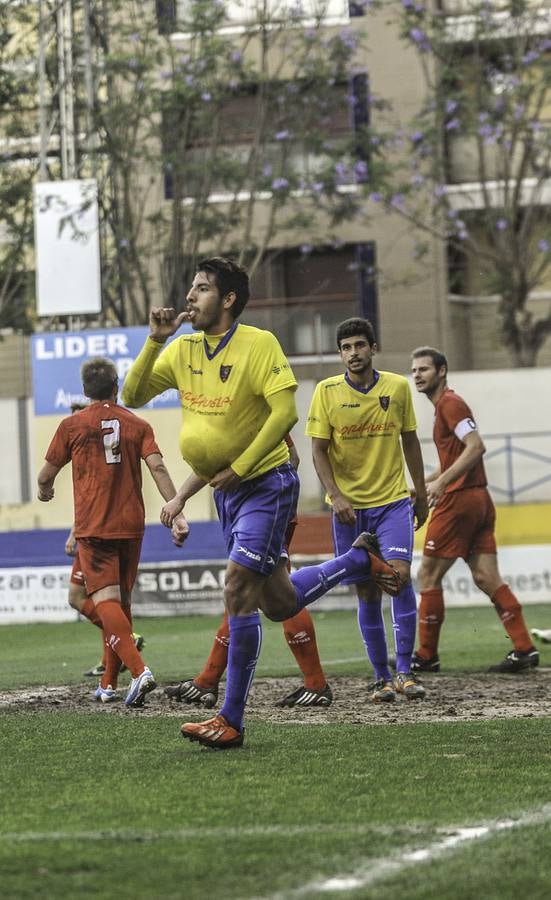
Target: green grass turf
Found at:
x=119, y=807
x=472, y=639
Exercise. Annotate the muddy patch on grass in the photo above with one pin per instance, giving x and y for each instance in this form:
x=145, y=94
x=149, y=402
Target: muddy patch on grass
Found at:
x=454, y=697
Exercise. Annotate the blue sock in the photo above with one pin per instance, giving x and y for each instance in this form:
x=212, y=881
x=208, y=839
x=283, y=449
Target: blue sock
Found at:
x=244, y=649
x=404, y=619
x=312, y=582
x=372, y=629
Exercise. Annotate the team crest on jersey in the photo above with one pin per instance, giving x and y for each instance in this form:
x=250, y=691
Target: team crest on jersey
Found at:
x=225, y=372
x=385, y=402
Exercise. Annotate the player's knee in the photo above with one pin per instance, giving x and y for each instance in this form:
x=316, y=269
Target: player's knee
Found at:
x=76, y=598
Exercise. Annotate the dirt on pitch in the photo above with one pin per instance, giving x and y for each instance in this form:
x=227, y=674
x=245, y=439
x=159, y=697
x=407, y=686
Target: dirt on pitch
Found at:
x=454, y=697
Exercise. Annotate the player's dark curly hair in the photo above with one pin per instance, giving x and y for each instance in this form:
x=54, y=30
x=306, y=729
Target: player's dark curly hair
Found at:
x=438, y=358
x=99, y=378
x=351, y=327
x=229, y=276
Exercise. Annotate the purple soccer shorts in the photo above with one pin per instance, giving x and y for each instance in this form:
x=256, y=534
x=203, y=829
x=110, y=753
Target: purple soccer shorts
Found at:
x=255, y=518
x=393, y=525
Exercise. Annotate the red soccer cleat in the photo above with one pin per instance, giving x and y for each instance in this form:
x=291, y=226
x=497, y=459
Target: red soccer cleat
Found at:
x=215, y=733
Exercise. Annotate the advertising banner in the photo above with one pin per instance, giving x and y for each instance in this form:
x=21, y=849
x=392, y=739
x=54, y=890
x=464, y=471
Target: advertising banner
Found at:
x=39, y=594
x=58, y=356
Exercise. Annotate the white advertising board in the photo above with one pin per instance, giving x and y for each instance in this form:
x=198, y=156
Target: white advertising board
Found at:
x=39, y=594
x=68, y=279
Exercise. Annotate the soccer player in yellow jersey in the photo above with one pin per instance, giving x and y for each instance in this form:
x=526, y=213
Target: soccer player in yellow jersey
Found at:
x=362, y=425
x=237, y=392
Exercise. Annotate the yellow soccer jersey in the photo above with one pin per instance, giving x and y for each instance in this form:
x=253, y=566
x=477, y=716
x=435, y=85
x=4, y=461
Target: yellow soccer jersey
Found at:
x=222, y=393
x=364, y=429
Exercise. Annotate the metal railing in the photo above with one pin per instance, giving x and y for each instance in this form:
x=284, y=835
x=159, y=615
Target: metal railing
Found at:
x=518, y=465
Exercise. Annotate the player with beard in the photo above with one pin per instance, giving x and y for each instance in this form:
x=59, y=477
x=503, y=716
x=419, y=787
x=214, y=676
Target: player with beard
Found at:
x=462, y=523
x=237, y=391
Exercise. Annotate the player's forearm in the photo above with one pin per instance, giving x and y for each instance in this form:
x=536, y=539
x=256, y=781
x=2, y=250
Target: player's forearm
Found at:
x=138, y=388
x=324, y=471
x=414, y=461
x=46, y=479
x=469, y=457
x=283, y=415
x=162, y=479
x=191, y=486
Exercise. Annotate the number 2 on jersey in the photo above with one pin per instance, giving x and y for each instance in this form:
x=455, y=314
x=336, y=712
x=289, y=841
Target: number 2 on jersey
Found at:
x=111, y=440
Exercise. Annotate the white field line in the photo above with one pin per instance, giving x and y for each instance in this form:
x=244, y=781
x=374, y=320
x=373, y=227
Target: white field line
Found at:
x=198, y=833
x=379, y=869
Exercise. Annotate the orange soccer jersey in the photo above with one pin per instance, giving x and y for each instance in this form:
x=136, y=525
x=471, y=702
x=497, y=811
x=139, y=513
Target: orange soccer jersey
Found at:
x=106, y=444
x=450, y=411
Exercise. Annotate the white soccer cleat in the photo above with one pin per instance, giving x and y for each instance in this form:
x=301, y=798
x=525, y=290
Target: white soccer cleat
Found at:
x=542, y=634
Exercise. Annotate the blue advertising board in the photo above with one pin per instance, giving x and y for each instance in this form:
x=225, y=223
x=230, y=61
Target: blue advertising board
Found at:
x=58, y=356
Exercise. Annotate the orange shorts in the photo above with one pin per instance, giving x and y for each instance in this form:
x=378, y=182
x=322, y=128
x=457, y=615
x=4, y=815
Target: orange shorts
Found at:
x=462, y=525
x=105, y=562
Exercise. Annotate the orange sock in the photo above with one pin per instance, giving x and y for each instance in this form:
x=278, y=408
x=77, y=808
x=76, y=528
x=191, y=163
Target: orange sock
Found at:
x=89, y=610
x=110, y=660
x=118, y=635
x=217, y=661
x=509, y=611
x=431, y=616
x=300, y=635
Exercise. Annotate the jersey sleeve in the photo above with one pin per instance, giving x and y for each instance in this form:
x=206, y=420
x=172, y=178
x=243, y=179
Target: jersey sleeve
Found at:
x=317, y=423
x=270, y=370
x=59, y=451
x=455, y=410
x=149, y=444
x=150, y=374
x=409, y=422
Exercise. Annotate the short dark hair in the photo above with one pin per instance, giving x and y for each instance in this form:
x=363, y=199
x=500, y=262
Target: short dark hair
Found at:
x=351, y=327
x=438, y=358
x=99, y=378
x=229, y=276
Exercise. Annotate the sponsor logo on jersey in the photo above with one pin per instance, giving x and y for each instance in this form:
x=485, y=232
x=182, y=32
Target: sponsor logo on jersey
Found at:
x=385, y=402
x=277, y=369
x=194, y=371
x=350, y=405
x=365, y=428
x=398, y=549
x=192, y=400
x=225, y=372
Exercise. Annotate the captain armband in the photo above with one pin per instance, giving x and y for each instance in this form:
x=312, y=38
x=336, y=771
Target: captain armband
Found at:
x=464, y=427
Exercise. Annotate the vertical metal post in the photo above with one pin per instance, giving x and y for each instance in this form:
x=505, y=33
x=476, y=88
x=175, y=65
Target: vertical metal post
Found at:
x=42, y=102
x=509, y=468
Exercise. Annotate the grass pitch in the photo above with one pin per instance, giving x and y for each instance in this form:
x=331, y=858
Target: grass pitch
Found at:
x=103, y=806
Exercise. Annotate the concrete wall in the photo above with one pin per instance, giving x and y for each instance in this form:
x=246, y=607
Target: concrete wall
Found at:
x=503, y=402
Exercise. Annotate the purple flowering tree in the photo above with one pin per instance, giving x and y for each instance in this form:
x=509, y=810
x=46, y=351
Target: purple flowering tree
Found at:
x=16, y=175
x=478, y=170
x=213, y=139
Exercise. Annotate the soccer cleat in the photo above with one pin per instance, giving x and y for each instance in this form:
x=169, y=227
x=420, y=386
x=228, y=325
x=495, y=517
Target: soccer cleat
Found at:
x=382, y=691
x=95, y=671
x=406, y=683
x=515, y=661
x=139, y=641
x=420, y=664
x=383, y=574
x=305, y=697
x=543, y=635
x=105, y=695
x=190, y=692
x=216, y=733
x=139, y=687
